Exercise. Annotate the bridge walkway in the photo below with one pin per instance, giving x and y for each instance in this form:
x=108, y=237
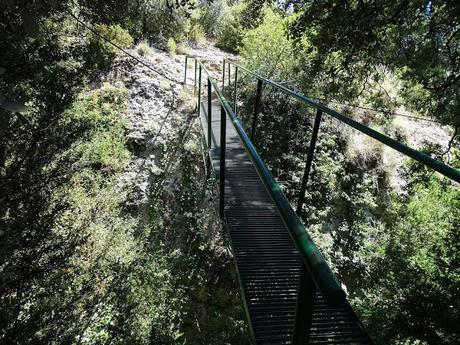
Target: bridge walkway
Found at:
x=266, y=258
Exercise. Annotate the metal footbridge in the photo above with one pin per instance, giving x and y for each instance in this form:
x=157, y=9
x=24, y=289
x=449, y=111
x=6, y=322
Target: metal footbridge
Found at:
x=290, y=294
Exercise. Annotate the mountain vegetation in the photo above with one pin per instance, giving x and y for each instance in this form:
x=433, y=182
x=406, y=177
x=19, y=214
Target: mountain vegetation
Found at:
x=387, y=225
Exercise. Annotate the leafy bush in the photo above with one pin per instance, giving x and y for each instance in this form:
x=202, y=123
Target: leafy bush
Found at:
x=209, y=16
x=229, y=32
x=196, y=34
x=87, y=236
x=182, y=48
x=414, y=275
x=104, y=145
x=158, y=22
x=266, y=48
x=171, y=46
x=143, y=49
x=102, y=51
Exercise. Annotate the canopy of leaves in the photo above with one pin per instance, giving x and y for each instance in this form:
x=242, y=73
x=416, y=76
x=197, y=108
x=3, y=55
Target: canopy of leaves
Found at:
x=418, y=40
x=266, y=49
x=393, y=246
x=74, y=266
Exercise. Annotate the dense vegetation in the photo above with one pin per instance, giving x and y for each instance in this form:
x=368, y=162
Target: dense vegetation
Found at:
x=388, y=227
x=78, y=266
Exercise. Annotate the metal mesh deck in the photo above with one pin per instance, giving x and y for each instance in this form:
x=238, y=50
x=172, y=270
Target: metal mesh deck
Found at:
x=266, y=258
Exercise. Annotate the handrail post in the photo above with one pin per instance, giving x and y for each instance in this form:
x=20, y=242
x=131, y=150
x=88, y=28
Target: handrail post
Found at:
x=444, y=169
x=223, y=75
x=229, y=74
x=311, y=151
x=223, y=127
x=209, y=128
x=186, y=65
x=199, y=91
x=304, y=307
x=235, y=89
x=194, y=81
x=256, y=109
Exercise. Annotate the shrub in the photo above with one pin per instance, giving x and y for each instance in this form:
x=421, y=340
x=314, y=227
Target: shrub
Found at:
x=100, y=112
x=159, y=22
x=100, y=109
x=229, y=28
x=181, y=49
x=414, y=272
x=196, y=34
x=210, y=15
x=171, y=46
x=101, y=51
x=144, y=49
x=266, y=47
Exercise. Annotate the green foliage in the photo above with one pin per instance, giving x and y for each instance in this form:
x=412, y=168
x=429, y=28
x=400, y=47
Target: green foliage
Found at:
x=106, y=144
x=46, y=69
x=100, y=108
x=229, y=31
x=104, y=52
x=76, y=266
x=78, y=248
x=415, y=274
x=182, y=49
x=209, y=16
x=345, y=43
x=416, y=96
x=266, y=49
x=143, y=49
x=171, y=45
x=196, y=34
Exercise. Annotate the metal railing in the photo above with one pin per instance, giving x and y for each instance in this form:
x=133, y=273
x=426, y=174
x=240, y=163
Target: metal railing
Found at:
x=443, y=169
x=303, y=304
x=315, y=268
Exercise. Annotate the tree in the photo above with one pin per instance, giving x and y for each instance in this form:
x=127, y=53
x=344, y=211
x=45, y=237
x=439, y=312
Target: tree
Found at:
x=417, y=40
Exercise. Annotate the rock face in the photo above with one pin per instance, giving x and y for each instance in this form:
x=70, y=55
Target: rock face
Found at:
x=152, y=111
x=168, y=189
x=155, y=111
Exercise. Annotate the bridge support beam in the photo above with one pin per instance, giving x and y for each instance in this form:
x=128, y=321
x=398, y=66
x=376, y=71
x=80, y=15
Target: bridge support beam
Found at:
x=199, y=91
x=208, y=161
x=229, y=75
x=235, y=89
x=304, y=308
x=223, y=75
x=256, y=110
x=311, y=152
x=223, y=137
x=194, y=81
x=185, y=74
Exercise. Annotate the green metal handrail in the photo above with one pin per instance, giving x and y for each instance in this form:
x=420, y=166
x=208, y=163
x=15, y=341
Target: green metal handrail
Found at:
x=315, y=274
x=322, y=275
x=303, y=313
x=314, y=268
x=444, y=169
